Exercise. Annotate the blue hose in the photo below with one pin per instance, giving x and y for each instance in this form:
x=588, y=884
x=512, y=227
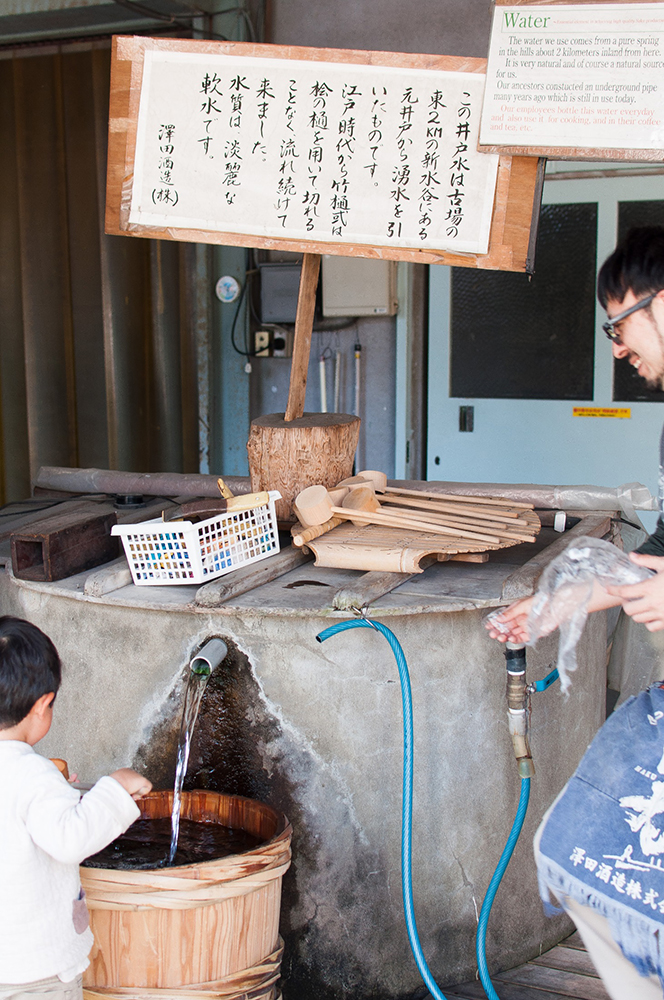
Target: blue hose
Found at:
x=407, y=817
x=480, y=937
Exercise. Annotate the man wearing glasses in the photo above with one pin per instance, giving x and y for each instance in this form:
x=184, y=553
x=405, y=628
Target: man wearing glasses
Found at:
x=630, y=287
x=611, y=880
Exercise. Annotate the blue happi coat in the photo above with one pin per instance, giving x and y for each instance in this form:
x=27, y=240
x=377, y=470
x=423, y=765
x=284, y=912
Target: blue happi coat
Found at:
x=602, y=841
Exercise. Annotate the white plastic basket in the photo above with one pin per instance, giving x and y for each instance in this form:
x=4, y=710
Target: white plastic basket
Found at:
x=161, y=553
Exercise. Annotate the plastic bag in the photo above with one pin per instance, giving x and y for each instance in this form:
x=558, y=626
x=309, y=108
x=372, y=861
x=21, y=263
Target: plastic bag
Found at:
x=563, y=592
x=564, y=589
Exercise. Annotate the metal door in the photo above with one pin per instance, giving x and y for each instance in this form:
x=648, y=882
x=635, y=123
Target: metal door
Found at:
x=541, y=440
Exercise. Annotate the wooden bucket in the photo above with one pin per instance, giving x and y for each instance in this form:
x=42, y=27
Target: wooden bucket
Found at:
x=200, y=931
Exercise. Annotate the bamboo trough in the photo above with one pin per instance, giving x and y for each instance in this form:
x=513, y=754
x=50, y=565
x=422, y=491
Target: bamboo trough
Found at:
x=195, y=931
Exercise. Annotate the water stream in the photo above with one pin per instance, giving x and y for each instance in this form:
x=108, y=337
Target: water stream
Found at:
x=198, y=678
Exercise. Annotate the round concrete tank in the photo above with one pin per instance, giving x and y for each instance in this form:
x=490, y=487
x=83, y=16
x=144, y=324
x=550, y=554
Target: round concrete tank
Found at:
x=315, y=731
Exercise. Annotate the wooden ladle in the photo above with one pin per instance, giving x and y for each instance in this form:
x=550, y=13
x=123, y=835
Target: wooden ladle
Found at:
x=314, y=507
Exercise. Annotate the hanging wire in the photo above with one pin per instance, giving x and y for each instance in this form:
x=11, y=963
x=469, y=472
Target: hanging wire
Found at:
x=250, y=273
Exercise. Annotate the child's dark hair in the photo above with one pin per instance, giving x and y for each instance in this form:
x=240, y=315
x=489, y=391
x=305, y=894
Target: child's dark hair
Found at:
x=29, y=668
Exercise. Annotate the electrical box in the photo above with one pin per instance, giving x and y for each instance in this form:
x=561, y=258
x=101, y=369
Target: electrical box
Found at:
x=280, y=284
x=359, y=286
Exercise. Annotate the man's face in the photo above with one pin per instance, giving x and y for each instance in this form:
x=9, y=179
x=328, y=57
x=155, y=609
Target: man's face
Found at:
x=641, y=337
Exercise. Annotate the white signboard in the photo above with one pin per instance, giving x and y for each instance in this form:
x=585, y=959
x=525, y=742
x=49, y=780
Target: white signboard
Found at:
x=584, y=75
x=308, y=150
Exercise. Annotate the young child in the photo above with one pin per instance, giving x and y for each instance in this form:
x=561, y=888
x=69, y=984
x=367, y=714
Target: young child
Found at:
x=46, y=829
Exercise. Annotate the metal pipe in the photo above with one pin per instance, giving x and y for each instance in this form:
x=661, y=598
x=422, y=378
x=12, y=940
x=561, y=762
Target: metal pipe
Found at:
x=148, y=483
x=209, y=657
x=518, y=707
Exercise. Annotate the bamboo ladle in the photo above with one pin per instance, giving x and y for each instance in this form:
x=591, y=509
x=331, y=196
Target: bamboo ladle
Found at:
x=363, y=498
x=475, y=508
x=315, y=508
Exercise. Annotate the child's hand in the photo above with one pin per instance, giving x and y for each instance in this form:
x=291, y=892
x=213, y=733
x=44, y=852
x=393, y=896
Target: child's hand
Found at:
x=132, y=782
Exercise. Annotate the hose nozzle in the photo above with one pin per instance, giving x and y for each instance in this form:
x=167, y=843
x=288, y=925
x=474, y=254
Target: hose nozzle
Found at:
x=518, y=707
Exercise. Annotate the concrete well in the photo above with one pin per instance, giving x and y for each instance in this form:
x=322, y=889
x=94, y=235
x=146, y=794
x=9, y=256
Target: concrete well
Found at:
x=315, y=730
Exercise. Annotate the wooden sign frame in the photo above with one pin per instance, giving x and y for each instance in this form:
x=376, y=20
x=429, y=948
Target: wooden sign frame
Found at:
x=519, y=184
x=573, y=152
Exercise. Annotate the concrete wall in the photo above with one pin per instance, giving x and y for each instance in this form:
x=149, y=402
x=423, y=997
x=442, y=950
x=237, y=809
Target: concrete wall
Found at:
x=447, y=27
x=377, y=337
x=316, y=731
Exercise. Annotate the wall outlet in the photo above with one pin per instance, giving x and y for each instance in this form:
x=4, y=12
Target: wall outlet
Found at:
x=262, y=343
x=282, y=344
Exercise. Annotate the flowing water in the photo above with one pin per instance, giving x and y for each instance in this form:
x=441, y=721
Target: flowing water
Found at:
x=192, y=701
x=156, y=843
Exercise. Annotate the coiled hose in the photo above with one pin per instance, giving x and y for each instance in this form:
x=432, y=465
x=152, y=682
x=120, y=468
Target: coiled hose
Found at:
x=407, y=822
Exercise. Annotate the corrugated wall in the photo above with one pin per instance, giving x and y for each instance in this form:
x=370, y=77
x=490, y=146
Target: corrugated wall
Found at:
x=97, y=339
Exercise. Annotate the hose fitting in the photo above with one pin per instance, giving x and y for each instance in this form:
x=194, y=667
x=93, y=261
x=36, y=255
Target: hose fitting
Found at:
x=518, y=707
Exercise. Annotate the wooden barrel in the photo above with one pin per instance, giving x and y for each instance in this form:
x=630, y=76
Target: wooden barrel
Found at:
x=208, y=929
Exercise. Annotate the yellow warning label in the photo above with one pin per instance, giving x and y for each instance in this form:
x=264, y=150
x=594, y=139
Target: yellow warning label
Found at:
x=622, y=413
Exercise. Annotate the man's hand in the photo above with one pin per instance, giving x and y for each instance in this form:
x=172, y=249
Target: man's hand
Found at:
x=644, y=602
x=514, y=619
x=132, y=782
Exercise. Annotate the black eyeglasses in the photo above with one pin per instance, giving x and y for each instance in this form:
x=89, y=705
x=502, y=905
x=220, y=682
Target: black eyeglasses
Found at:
x=610, y=326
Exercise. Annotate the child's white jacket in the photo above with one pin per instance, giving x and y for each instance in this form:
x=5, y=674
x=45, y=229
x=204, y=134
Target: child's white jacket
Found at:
x=46, y=830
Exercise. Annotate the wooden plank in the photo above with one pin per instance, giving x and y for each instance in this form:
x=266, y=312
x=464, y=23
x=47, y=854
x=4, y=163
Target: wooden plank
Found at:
x=523, y=581
x=214, y=593
x=304, y=321
x=370, y=586
x=569, y=984
x=111, y=577
x=58, y=547
x=11, y=522
x=516, y=205
x=573, y=941
x=508, y=991
x=568, y=959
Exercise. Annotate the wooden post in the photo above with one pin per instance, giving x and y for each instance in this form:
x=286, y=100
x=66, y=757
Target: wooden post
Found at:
x=304, y=321
x=293, y=450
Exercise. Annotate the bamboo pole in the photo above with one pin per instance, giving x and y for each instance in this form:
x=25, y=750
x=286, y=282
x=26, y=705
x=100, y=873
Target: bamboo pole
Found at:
x=483, y=501
x=479, y=513
x=401, y=521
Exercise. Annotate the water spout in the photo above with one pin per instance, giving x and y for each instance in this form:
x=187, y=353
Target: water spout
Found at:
x=200, y=668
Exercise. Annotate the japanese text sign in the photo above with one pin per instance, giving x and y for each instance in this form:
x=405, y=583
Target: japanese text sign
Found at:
x=312, y=150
